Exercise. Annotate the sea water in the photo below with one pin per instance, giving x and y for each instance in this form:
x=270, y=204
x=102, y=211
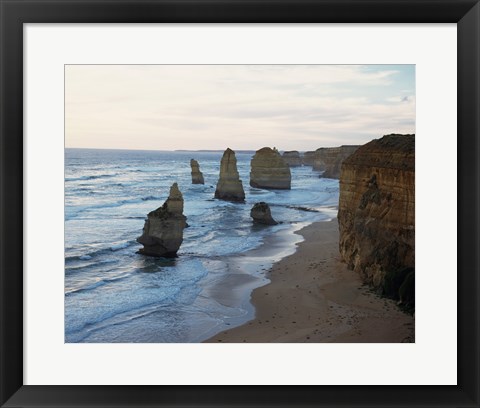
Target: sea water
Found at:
x=114, y=294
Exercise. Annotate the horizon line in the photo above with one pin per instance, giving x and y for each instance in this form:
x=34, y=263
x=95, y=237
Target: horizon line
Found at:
x=203, y=150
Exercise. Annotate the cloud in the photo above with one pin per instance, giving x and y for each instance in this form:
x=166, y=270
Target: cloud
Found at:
x=204, y=107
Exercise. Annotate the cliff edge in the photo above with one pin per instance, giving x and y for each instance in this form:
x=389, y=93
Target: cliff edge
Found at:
x=330, y=159
x=377, y=214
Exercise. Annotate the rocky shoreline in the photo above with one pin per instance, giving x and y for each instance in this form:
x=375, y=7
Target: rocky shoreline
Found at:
x=339, y=273
x=374, y=237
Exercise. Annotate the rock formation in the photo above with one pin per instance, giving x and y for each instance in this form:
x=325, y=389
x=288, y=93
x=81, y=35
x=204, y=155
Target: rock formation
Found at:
x=292, y=158
x=330, y=159
x=319, y=159
x=163, y=229
x=197, y=176
x=308, y=158
x=229, y=186
x=269, y=170
x=261, y=214
x=377, y=214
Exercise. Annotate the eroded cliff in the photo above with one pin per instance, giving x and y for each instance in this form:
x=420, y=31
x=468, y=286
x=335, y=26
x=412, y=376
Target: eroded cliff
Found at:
x=308, y=158
x=330, y=159
x=269, y=170
x=163, y=230
x=197, y=175
x=292, y=158
x=377, y=214
x=229, y=186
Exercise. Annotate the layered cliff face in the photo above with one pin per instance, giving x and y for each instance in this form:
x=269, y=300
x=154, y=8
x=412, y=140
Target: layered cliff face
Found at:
x=308, y=158
x=229, y=186
x=330, y=159
x=377, y=214
x=269, y=170
x=163, y=229
x=197, y=175
x=292, y=158
x=318, y=159
x=261, y=214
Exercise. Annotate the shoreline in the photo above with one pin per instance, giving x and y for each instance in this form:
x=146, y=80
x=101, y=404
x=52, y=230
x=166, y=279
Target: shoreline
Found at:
x=313, y=297
x=247, y=271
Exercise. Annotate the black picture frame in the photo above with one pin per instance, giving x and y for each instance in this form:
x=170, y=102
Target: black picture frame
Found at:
x=14, y=13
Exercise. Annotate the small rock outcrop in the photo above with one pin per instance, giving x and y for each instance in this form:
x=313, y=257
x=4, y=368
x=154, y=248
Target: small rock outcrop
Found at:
x=292, y=158
x=330, y=159
x=229, y=186
x=308, y=158
x=376, y=214
x=197, y=175
x=261, y=214
x=163, y=229
x=269, y=170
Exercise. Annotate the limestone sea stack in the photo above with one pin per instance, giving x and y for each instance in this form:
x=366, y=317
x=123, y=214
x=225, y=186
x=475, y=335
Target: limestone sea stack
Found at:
x=229, y=186
x=269, y=170
x=163, y=229
x=330, y=159
x=308, y=158
x=197, y=175
x=292, y=158
x=319, y=159
x=261, y=214
x=377, y=214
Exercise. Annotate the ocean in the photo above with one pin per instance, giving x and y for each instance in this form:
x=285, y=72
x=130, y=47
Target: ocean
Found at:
x=113, y=294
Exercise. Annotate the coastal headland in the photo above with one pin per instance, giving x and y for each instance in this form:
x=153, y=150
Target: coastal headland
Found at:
x=313, y=297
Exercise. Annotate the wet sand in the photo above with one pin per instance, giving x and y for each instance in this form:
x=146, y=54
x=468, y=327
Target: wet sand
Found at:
x=313, y=297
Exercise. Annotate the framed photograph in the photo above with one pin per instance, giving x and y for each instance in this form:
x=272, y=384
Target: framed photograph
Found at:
x=216, y=203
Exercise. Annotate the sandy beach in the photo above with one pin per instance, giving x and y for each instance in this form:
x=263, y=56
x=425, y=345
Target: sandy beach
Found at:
x=313, y=297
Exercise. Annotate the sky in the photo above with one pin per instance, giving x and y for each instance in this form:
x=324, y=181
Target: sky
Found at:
x=244, y=107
